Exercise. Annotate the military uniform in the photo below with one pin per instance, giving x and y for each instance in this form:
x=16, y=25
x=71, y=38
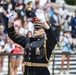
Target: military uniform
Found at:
x=35, y=61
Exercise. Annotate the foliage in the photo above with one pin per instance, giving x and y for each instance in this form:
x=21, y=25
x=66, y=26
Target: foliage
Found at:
x=52, y=0
x=70, y=2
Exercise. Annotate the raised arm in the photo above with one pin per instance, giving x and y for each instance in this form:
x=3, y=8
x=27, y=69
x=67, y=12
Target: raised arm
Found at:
x=51, y=40
x=17, y=38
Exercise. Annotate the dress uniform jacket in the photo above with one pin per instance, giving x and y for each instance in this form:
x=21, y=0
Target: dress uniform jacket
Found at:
x=32, y=45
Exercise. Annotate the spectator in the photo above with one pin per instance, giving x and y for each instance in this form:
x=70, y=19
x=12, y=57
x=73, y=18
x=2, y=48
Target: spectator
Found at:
x=1, y=13
x=13, y=4
x=20, y=11
x=5, y=19
x=66, y=43
x=15, y=59
x=30, y=25
x=3, y=39
x=47, y=10
x=10, y=7
x=18, y=22
x=17, y=49
x=66, y=23
x=55, y=22
x=52, y=11
x=73, y=25
x=29, y=34
x=8, y=46
x=60, y=1
x=23, y=31
x=13, y=48
x=4, y=4
x=37, y=6
x=29, y=10
x=63, y=12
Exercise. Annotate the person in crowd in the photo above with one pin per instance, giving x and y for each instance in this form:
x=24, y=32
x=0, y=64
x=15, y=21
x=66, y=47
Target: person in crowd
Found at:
x=1, y=12
x=66, y=23
x=35, y=60
x=30, y=25
x=63, y=12
x=37, y=5
x=29, y=34
x=29, y=11
x=29, y=15
x=52, y=10
x=15, y=59
x=73, y=26
x=8, y=46
x=11, y=47
x=60, y=1
x=24, y=30
x=66, y=43
x=55, y=22
x=17, y=49
x=21, y=12
x=3, y=39
x=5, y=4
x=47, y=10
x=18, y=22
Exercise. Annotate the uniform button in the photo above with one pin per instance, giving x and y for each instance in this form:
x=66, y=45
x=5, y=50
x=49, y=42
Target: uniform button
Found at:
x=29, y=58
x=29, y=48
x=29, y=53
x=38, y=39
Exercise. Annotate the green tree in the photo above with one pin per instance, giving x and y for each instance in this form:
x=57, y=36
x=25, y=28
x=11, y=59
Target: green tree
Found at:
x=71, y=2
x=52, y=0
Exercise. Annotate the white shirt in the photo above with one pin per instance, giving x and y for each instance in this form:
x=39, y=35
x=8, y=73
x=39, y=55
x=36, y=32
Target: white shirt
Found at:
x=60, y=1
x=56, y=18
x=1, y=9
x=63, y=13
x=23, y=31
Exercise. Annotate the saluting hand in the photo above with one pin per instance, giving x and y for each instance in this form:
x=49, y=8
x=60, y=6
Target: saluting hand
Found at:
x=40, y=15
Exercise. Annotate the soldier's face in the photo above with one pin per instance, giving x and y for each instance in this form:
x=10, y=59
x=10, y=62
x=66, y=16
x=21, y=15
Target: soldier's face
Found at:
x=38, y=32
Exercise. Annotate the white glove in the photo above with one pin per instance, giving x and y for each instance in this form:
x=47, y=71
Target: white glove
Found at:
x=11, y=16
x=40, y=15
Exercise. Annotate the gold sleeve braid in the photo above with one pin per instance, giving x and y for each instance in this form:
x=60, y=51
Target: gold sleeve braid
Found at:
x=16, y=34
x=11, y=32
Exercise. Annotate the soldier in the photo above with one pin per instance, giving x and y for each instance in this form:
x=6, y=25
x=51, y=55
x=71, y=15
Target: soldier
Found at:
x=35, y=60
